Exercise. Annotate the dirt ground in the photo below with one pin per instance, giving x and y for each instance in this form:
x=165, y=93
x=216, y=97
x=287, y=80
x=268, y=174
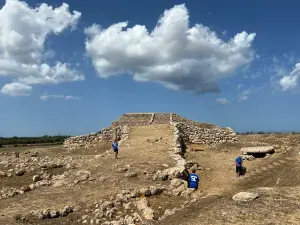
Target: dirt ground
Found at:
x=146, y=151
x=278, y=203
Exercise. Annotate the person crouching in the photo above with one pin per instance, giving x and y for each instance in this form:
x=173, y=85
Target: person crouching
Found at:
x=238, y=166
x=193, y=180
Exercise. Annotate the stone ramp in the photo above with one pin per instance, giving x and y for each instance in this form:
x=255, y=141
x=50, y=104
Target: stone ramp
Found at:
x=149, y=144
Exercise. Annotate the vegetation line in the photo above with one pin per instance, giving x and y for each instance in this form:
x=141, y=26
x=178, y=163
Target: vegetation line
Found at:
x=29, y=141
x=266, y=132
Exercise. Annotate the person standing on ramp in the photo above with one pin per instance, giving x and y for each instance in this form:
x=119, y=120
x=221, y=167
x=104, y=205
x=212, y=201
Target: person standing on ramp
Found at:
x=115, y=147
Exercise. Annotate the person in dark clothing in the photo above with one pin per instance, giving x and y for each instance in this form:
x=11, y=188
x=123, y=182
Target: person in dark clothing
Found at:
x=238, y=166
x=185, y=175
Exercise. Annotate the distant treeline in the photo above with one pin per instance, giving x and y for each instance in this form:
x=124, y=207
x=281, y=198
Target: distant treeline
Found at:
x=24, y=141
x=266, y=132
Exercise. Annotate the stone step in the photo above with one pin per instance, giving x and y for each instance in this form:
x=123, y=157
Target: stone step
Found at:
x=258, y=171
x=290, y=158
x=276, y=164
x=252, y=173
x=264, y=168
x=282, y=161
x=270, y=166
x=247, y=175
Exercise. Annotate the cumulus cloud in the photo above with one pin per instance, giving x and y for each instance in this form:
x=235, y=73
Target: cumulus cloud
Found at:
x=67, y=97
x=290, y=81
x=176, y=55
x=285, y=71
x=16, y=89
x=23, y=33
x=222, y=101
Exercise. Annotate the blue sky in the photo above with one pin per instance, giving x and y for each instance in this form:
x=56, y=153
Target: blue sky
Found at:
x=211, y=72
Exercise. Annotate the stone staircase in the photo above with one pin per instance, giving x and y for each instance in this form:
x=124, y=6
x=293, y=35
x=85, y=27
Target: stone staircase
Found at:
x=272, y=166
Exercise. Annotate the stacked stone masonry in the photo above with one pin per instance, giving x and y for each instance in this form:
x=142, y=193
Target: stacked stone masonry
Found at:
x=178, y=119
x=190, y=131
x=134, y=119
x=197, y=135
x=91, y=140
x=161, y=118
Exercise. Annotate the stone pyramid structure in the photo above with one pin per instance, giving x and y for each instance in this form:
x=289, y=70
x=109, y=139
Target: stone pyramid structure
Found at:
x=190, y=131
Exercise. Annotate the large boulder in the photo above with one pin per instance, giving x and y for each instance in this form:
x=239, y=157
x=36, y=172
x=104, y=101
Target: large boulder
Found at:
x=257, y=149
x=173, y=172
x=175, y=183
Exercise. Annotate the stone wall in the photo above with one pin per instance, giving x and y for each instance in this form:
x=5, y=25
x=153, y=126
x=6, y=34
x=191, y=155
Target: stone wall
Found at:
x=198, y=135
x=91, y=140
x=176, y=153
x=178, y=119
x=161, y=118
x=134, y=119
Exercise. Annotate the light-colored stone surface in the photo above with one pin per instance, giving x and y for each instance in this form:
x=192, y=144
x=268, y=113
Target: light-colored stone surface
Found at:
x=143, y=206
x=245, y=196
x=258, y=149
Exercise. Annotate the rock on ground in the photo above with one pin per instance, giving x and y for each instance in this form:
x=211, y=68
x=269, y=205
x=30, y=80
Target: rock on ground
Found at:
x=245, y=196
x=20, y=172
x=143, y=206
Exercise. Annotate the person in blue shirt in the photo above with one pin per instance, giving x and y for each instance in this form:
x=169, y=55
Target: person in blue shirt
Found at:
x=115, y=147
x=238, y=165
x=193, y=180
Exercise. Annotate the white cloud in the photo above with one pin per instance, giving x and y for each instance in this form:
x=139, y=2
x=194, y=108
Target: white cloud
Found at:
x=46, y=96
x=290, y=57
x=239, y=86
x=16, y=89
x=290, y=81
x=244, y=95
x=23, y=33
x=174, y=54
x=224, y=33
x=243, y=98
x=284, y=78
x=222, y=101
x=92, y=30
x=67, y=97
x=70, y=97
